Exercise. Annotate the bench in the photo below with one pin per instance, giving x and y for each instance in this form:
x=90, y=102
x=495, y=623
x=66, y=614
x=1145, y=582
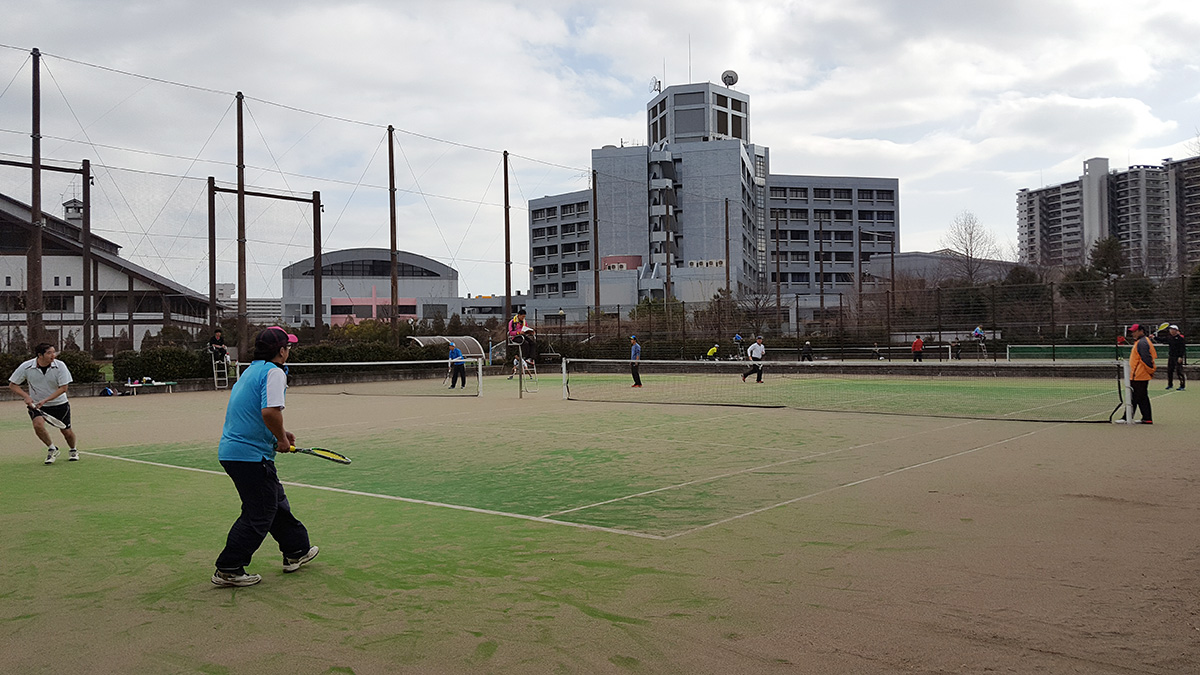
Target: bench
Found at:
x=132, y=388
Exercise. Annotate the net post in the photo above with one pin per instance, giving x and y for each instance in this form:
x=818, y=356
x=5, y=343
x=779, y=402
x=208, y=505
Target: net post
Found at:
x=1126, y=374
x=564, y=374
x=479, y=374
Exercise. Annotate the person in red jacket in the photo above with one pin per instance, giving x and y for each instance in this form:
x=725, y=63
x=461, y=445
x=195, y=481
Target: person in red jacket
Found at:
x=1141, y=370
x=918, y=349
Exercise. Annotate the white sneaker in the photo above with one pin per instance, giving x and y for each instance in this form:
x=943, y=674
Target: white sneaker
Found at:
x=293, y=564
x=231, y=579
x=51, y=455
x=73, y=456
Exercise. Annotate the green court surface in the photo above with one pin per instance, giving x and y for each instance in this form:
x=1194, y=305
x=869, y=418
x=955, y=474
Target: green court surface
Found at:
x=497, y=534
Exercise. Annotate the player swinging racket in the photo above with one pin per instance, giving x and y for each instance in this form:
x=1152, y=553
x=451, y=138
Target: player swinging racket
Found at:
x=755, y=353
x=48, y=379
x=457, y=368
x=253, y=433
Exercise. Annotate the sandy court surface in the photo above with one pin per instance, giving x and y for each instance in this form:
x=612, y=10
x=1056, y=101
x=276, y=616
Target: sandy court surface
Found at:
x=908, y=545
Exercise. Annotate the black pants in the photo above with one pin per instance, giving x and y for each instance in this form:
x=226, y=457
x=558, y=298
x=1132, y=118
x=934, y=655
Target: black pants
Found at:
x=458, y=370
x=1175, y=367
x=917, y=356
x=633, y=369
x=806, y=357
x=754, y=368
x=265, y=510
x=1140, y=399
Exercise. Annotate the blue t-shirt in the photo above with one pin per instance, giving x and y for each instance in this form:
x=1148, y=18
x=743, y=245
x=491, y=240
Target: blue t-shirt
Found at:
x=246, y=437
x=455, y=354
x=635, y=352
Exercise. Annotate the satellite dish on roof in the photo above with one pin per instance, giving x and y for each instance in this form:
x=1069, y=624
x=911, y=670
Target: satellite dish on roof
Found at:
x=729, y=78
x=655, y=85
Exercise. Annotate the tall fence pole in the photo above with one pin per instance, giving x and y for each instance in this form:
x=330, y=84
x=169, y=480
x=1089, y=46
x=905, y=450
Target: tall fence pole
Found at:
x=994, y=325
x=1053, y=326
x=888, y=343
x=937, y=298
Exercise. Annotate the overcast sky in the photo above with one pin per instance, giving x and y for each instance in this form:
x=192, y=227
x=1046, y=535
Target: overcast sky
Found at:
x=964, y=102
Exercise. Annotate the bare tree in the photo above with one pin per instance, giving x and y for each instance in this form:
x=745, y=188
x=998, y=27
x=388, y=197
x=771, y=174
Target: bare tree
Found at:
x=1193, y=146
x=973, y=245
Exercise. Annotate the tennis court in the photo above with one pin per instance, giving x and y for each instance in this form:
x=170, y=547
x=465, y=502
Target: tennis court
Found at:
x=500, y=534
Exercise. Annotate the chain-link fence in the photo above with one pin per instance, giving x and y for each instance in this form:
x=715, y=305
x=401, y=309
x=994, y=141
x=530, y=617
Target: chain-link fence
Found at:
x=997, y=322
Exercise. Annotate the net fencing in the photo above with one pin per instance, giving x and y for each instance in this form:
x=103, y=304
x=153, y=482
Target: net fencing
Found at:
x=1088, y=392
x=385, y=378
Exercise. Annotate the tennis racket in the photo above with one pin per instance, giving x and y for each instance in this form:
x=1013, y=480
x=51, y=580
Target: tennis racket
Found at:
x=51, y=419
x=323, y=454
x=1163, y=326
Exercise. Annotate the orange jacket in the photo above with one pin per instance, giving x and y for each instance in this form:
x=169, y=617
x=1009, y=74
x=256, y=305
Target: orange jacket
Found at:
x=1142, y=368
x=918, y=345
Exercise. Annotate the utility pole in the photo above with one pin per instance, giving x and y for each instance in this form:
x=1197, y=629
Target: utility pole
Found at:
x=34, y=305
x=391, y=131
x=243, y=328
x=507, y=252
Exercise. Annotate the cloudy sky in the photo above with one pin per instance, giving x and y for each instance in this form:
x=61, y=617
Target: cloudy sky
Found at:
x=965, y=102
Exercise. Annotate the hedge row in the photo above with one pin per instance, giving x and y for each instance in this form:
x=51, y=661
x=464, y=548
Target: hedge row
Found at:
x=82, y=368
x=163, y=364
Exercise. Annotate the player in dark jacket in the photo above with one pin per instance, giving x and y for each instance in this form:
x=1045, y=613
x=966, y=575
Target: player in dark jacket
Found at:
x=1176, y=357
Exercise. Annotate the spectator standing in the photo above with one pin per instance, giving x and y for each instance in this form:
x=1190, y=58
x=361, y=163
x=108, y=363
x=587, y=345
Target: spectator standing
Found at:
x=1141, y=371
x=806, y=352
x=635, y=356
x=918, y=349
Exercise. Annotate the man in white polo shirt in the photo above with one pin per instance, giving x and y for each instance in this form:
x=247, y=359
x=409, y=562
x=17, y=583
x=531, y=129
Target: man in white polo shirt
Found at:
x=47, y=378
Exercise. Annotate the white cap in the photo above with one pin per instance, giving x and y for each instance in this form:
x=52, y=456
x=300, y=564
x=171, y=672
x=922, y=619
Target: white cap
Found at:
x=1173, y=327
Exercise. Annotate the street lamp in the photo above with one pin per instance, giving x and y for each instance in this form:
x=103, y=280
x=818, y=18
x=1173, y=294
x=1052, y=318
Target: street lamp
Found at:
x=562, y=318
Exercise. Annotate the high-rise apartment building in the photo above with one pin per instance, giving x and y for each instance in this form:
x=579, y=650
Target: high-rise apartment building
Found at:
x=1058, y=225
x=688, y=215
x=1183, y=209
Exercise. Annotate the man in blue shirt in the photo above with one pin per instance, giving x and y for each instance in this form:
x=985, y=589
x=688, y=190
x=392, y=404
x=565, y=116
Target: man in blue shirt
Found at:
x=635, y=355
x=253, y=433
x=457, y=369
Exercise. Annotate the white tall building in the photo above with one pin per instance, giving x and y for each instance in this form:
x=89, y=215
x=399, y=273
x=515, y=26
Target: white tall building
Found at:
x=691, y=213
x=1058, y=225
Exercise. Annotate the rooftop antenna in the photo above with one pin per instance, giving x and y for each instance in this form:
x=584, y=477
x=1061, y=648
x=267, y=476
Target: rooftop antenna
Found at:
x=689, y=58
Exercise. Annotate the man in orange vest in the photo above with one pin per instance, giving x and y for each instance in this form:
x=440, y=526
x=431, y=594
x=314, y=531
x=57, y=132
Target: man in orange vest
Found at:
x=1141, y=370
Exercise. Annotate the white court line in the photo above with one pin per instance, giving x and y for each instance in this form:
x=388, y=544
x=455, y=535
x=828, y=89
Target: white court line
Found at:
x=457, y=507
x=760, y=468
x=858, y=482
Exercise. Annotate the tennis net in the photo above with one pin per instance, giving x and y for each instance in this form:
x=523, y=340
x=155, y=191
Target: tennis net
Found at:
x=1002, y=391
x=384, y=378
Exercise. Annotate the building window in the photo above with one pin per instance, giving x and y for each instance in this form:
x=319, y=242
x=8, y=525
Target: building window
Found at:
x=584, y=265
x=539, y=288
x=843, y=235
x=568, y=248
x=568, y=228
x=800, y=277
x=798, y=193
x=843, y=256
x=552, y=250
x=778, y=193
x=866, y=194
x=539, y=270
x=823, y=235
x=55, y=281
x=581, y=247
x=551, y=288
x=842, y=194
x=799, y=235
x=552, y=231
x=885, y=215
x=8, y=281
x=799, y=256
x=797, y=214
x=885, y=195
x=551, y=269
x=568, y=268
x=820, y=193
x=539, y=251
x=68, y=281
x=866, y=215
x=570, y=287
x=843, y=215
x=581, y=228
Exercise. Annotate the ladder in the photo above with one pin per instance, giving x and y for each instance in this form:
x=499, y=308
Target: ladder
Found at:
x=220, y=373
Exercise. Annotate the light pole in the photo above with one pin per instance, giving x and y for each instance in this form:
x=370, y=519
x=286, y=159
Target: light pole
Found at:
x=562, y=318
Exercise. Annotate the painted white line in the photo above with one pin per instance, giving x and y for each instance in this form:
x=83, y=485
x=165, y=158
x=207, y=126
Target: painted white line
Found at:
x=457, y=507
x=858, y=482
x=760, y=468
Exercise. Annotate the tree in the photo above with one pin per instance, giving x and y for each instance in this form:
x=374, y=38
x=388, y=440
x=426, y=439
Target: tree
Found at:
x=1107, y=257
x=974, y=245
